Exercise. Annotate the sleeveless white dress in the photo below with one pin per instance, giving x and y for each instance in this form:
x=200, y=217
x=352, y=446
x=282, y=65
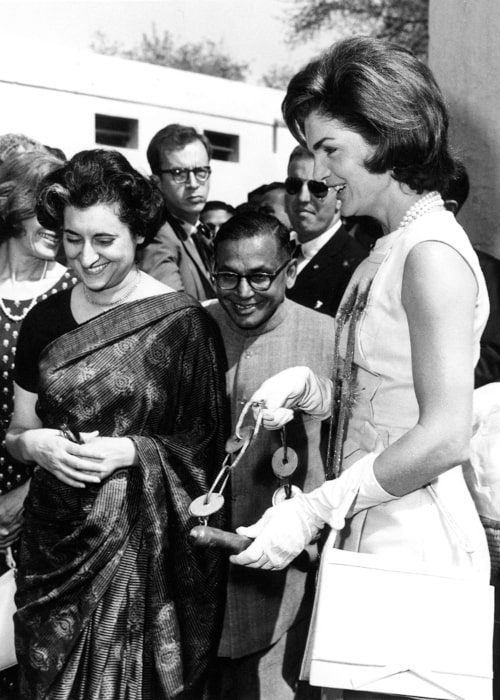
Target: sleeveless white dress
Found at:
x=437, y=524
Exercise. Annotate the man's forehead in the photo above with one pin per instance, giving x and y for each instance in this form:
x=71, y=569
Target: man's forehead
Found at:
x=191, y=155
x=261, y=247
x=304, y=166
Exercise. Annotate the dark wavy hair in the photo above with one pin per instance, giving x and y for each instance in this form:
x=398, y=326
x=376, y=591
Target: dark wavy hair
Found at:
x=243, y=225
x=383, y=92
x=20, y=179
x=102, y=177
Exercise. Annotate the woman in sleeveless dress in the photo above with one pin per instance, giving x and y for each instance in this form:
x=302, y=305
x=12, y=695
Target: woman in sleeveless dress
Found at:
x=375, y=121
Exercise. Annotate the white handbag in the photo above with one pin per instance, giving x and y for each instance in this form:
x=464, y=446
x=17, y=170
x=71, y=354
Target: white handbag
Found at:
x=7, y=610
x=450, y=613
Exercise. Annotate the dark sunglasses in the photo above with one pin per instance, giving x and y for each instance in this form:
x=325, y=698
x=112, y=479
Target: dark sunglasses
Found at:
x=317, y=188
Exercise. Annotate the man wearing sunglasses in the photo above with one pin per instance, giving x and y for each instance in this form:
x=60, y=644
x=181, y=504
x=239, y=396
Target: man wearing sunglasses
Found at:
x=327, y=255
x=180, y=254
x=267, y=613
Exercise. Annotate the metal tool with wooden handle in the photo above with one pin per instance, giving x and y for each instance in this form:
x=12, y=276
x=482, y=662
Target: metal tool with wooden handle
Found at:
x=206, y=536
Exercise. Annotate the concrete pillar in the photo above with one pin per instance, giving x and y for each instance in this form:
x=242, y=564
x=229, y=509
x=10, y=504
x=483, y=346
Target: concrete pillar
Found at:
x=464, y=54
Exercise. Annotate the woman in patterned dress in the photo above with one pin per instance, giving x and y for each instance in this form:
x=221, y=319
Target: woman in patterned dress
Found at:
x=28, y=273
x=119, y=402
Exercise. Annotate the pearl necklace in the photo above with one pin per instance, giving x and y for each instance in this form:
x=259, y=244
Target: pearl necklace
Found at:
x=109, y=304
x=421, y=207
x=20, y=317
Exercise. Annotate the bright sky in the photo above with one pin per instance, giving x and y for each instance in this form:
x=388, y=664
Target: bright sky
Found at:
x=251, y=31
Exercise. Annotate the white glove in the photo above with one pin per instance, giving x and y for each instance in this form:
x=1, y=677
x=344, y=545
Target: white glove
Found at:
x=286, y=529
x=295, y=387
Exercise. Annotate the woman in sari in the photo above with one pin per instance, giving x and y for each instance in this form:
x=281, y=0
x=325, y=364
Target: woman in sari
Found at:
x=119, y=408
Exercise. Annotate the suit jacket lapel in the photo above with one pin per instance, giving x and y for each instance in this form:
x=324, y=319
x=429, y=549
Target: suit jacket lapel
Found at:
x=331, y=249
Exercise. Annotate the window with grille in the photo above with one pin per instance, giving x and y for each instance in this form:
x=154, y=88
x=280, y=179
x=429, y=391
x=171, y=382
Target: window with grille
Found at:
x=118, y=132
x=224, y=146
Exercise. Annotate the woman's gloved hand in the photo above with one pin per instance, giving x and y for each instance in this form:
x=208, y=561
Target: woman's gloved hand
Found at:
x=293, y=388
x=287, y=528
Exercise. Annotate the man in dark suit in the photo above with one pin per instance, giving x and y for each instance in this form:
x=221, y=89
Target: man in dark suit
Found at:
x=327, y=254
x=180, y=253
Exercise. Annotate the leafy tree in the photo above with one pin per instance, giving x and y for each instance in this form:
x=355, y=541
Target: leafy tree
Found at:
x=199, y=57
x=403, y=21
x=278, y=77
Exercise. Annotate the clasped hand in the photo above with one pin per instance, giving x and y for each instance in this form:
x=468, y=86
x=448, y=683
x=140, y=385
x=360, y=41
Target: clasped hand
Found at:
x=80, y=464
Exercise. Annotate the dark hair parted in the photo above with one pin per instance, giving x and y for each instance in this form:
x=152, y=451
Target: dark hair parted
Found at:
x=383, y=92
x=251, y=224
x=216, y=205
x=102, y=177
x=20, y=179
x=173, y=137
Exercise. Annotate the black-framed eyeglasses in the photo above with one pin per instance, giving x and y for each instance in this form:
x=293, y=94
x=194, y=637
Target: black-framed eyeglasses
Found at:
x=181, y=175
x=259, y=281
x=317, y=188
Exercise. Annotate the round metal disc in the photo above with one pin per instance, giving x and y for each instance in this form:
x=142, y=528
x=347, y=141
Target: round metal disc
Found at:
x=280, y=494
x=233, y=444
x=283, y=468
x=203, y=506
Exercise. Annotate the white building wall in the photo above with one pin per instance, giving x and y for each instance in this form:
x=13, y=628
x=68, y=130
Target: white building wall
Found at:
x=55, y=96
x=464, y=53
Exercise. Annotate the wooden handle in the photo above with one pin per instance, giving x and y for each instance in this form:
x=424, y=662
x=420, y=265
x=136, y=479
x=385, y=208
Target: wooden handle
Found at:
x=206, y=536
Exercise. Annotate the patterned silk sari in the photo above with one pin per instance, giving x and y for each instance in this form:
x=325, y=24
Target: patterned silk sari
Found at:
x=113, y=602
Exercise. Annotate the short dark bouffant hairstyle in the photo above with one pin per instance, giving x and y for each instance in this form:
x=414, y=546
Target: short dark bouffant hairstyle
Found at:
x=250, y=224
x=102, y=177
x=20, y=178
x=388, y=96
x=173, y=137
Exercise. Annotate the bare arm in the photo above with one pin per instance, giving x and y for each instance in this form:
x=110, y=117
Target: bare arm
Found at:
x=11, y=514
x=439, y=293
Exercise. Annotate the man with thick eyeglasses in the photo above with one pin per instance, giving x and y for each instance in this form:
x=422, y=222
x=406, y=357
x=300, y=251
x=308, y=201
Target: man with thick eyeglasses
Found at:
x=181, y=253
x=266, y=618
x=327, y=255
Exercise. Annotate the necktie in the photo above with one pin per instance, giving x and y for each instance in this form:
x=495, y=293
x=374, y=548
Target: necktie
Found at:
x=297, y=253
x=203, y=245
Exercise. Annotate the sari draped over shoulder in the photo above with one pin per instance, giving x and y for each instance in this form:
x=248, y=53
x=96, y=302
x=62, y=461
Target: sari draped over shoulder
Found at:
x=113, y=601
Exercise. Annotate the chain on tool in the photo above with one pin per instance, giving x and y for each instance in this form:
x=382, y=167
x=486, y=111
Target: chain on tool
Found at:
x=236, y=446
x=284, y=463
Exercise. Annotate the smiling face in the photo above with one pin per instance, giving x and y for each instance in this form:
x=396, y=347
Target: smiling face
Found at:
x=309, y=216
x=247, y=307
x=186, y=199
x=38, y=241
x=339, y=159
x=99, y=247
